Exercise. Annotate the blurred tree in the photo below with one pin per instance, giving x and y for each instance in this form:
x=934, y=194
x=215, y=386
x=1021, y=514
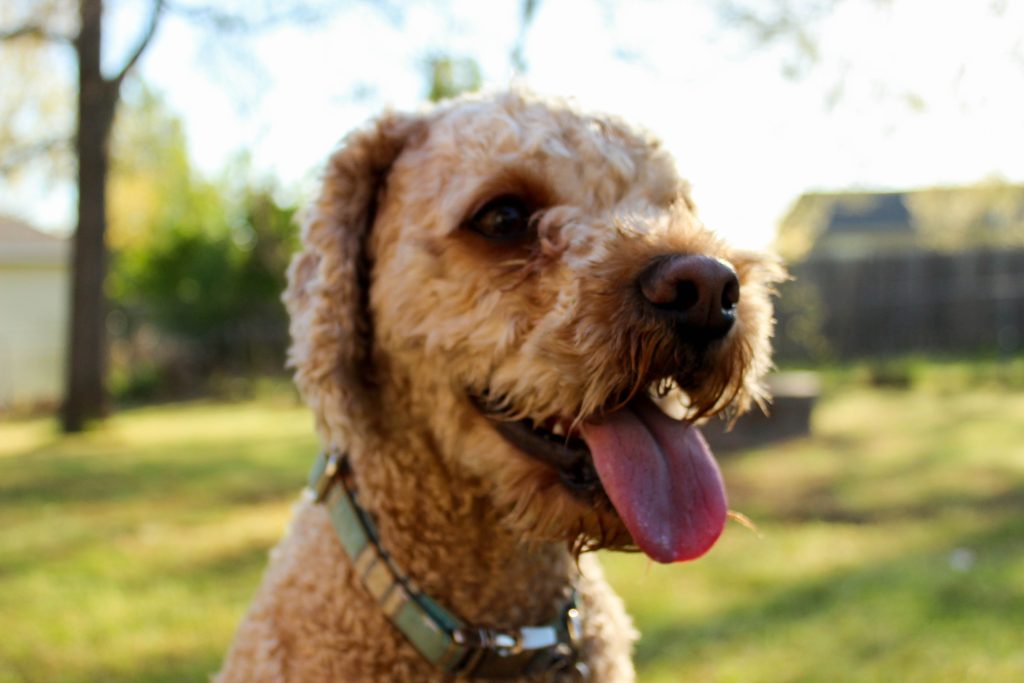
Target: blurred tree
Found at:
x=795, y=27
x=98, y=94
x=35, y=121
x=202, y=262
x=449, y=77
x=989, y=214
x=527, y=13
x=153, y=187
x=792, y=23
x=802, y=225
x=97, y=101
x=213, y=292
x=79, y=24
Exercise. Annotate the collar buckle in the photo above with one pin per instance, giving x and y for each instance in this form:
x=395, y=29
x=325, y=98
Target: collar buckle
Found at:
x=322, y=475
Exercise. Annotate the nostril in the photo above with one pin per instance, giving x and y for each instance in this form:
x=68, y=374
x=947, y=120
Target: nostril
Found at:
x=687, y=296
x=731, y=294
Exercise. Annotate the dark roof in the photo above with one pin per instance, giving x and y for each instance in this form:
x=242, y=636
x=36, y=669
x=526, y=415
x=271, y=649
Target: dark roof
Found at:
x=870, y=213
x=14, y=231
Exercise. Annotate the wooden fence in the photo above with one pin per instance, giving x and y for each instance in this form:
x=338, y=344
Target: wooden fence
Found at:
x=967, y=302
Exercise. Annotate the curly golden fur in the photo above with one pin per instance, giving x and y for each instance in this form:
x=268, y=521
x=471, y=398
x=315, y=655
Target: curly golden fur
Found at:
x=399, y=316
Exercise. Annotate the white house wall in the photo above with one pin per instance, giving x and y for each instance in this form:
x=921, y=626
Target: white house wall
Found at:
x=33, y=321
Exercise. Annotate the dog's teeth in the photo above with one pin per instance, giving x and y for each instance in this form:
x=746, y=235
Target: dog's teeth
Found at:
x=558, y=429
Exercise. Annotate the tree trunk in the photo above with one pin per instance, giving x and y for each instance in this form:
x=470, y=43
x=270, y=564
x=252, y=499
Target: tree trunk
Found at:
x=85, y=398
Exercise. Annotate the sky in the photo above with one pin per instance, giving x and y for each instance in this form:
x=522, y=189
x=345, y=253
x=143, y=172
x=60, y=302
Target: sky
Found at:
x=904, y=93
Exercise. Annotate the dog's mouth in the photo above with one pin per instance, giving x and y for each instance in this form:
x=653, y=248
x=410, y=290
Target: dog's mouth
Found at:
x=558, y=444
x=657, y=472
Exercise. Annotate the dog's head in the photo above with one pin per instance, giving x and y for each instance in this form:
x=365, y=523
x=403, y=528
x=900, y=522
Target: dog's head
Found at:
x=531, y=288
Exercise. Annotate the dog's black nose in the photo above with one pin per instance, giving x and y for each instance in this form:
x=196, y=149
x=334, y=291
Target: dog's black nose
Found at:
x=698, y=293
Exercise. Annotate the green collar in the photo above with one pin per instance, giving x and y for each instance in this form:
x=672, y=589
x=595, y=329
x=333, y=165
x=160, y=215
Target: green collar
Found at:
x=441, y=637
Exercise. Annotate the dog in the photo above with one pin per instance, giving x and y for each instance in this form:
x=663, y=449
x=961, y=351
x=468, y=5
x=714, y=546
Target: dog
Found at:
x=507, y=318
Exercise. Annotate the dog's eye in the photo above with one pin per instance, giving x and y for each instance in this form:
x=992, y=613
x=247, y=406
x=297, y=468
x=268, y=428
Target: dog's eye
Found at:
x=504, y=219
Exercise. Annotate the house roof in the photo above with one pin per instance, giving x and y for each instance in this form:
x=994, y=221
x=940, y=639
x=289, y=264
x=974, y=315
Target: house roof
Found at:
x=21, y=244
x=14, y=231
x=870, y=213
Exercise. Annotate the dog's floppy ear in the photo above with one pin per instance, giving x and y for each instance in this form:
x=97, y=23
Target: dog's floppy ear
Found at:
x=327, y=294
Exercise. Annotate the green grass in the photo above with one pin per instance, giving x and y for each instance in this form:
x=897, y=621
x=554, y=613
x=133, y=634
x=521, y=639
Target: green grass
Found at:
x=128, y=554
x=891, y=548
x=890, y=544
x=922, y=371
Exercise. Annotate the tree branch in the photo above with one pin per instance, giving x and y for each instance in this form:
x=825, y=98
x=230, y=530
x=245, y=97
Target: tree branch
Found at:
x=528, y=10
x=266, y=15
x=154, y=21
x=37, y=31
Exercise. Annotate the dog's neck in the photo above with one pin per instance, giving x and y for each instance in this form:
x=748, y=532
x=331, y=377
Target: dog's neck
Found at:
x=442, y=531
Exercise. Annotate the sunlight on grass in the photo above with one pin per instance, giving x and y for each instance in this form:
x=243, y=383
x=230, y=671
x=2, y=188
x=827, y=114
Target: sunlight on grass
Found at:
x=129, y=553
x=18, y=438
x=890, y=544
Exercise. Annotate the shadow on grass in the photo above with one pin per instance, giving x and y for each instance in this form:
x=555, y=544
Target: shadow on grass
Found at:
x=170, y=667
x=218, y=582
x=248, y=559
x=917, y=593
x=914, y=594
x=1007, y=500
x=196, y=470
x=822, y=499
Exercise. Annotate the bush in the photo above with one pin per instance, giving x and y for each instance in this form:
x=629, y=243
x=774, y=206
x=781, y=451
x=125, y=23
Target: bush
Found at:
x=211, y=294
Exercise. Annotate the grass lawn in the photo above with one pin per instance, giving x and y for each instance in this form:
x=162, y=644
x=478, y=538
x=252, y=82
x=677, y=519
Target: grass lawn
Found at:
x=890, y=545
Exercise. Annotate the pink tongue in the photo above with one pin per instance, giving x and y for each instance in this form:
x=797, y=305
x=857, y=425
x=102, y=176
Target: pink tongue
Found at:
x=661, y=478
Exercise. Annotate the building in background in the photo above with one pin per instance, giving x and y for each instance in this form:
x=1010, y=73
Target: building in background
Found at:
x=33, y=315
x=856, y=225
x=877, y=274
